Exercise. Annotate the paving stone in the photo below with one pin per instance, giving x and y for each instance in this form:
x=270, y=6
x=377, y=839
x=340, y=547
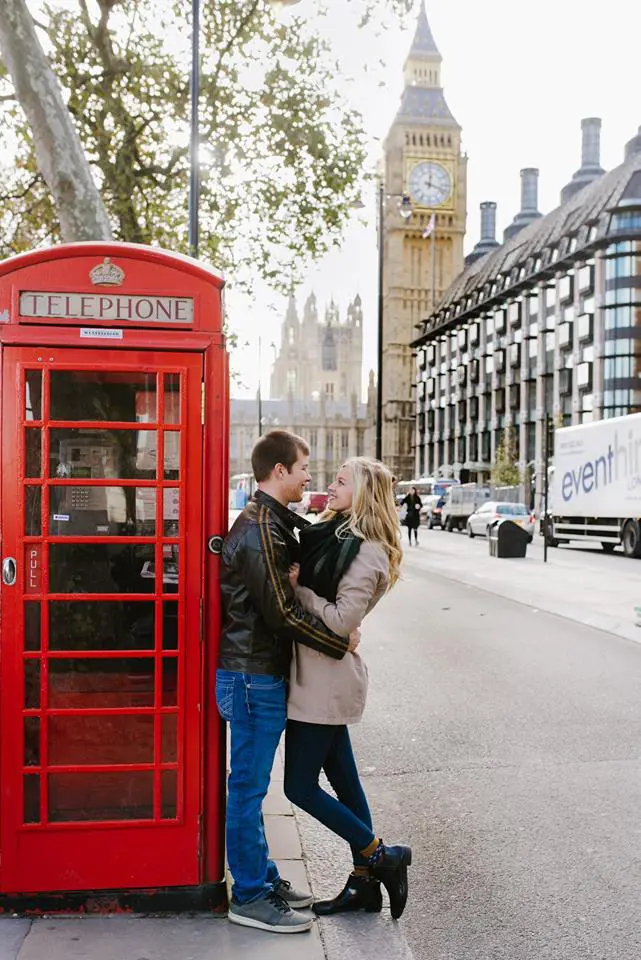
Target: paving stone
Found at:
x=162, y=938
x=13, y=931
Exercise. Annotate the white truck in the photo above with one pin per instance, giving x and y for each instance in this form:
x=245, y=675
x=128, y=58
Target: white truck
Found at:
x=461, y=501
x=595, y=493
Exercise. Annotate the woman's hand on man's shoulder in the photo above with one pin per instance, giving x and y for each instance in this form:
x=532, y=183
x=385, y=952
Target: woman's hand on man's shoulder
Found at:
x=294, y=573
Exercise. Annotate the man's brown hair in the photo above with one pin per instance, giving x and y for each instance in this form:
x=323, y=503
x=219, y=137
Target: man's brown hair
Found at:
x=277, y=446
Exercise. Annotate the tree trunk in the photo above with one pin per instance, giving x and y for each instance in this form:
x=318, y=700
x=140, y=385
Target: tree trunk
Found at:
x=60, y=156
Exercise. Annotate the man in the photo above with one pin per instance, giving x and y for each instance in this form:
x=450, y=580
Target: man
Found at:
x=261, y=619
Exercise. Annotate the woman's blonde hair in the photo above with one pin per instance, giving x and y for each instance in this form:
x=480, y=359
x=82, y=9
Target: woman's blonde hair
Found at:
x=373, y=516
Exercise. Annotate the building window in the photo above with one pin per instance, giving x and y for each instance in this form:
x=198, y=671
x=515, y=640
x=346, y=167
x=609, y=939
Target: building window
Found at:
x=626, y=220
x=329, y=351
x=291, y=381
x=329, y=391
x=550, y=300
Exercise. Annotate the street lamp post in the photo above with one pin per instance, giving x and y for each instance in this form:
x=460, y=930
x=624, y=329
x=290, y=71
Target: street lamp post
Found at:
x=194, y=166
x=260, y=389
x=405, y=210
x=379, y=342
x=194, y=138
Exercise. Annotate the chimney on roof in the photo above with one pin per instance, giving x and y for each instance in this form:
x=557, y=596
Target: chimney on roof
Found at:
x=529, y=203
x=529, y=190
x=591, y=168
x=488, y=221
x=488, y=241
x=591, y=143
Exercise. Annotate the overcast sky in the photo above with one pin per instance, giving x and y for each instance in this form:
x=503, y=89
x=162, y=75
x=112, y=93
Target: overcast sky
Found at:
x=518, y=77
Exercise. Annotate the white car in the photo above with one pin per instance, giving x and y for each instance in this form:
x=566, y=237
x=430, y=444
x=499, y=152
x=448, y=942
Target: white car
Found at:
x=479, y=523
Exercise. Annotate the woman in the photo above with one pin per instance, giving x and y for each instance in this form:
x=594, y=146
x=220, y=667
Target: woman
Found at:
x=412, y=503
x=348, y=561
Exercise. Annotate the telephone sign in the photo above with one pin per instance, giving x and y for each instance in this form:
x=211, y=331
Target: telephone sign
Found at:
x=114, y=458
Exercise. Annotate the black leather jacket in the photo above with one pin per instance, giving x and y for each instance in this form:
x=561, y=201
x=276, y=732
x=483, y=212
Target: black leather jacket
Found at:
x=261, y=616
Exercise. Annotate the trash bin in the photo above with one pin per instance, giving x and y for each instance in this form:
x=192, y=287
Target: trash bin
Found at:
x=507, y=539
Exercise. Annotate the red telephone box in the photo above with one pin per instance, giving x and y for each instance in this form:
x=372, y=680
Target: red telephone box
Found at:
x=114, y=481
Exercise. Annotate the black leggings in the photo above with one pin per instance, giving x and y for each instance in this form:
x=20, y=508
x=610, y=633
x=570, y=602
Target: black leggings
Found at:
x=310, y=748
x=413, y=530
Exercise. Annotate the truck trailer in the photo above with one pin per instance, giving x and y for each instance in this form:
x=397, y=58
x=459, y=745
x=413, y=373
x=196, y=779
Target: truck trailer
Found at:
x=461, y=501
x=595, y=490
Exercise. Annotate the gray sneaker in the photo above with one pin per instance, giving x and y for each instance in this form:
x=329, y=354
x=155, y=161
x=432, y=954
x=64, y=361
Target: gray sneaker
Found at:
x=270, y=913
x=297, y=899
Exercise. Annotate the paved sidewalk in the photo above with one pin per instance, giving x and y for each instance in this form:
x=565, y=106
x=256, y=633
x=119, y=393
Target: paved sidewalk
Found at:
x=205, y=937
x=183, y=937
x=590, y=588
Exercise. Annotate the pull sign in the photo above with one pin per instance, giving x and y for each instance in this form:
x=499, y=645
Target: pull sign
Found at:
x=100, y=333
x=33, y=568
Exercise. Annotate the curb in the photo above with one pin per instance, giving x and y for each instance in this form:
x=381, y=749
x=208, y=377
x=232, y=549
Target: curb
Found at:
x=623, y=629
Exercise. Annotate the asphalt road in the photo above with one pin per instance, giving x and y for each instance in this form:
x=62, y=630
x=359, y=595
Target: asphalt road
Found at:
x=503, y=744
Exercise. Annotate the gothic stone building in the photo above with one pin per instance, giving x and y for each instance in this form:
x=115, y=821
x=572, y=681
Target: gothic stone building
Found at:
x=315, y=392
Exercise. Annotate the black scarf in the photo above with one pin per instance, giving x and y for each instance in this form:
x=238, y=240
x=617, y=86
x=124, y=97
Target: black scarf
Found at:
x=324, y=557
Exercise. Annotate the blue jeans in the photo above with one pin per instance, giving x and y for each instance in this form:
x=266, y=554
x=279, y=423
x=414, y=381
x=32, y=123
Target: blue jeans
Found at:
x=254, y=705
x=310, y=748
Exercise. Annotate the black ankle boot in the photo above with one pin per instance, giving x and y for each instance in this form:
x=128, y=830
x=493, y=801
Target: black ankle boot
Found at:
x=389, y=865
x=359, y=893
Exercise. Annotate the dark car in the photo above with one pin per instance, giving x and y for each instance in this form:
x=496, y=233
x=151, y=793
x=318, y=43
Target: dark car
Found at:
x=431, y=511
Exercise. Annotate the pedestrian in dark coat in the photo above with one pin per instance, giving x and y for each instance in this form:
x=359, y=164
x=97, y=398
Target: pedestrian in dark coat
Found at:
x=412, y=503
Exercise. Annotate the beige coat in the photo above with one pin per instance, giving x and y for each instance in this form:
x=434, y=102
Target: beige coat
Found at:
x=323, y=690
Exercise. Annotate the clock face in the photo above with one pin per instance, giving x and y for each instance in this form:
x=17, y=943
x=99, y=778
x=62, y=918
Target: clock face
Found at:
x=430, y=184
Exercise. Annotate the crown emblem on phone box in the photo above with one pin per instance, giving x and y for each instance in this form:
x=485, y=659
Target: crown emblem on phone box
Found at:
x=107, y=274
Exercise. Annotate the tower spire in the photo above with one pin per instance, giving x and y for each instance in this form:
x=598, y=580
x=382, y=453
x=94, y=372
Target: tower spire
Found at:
x=423, y=99
x=423, y=43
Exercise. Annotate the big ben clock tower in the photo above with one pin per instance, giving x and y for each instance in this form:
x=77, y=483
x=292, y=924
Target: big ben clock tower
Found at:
x=423, y=253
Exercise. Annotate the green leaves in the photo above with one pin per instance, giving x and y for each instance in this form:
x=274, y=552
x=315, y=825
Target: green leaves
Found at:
x=505, y=470
x=282, y=151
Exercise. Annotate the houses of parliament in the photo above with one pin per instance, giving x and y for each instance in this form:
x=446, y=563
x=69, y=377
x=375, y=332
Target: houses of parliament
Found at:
x=316, y=383
x=315, y=391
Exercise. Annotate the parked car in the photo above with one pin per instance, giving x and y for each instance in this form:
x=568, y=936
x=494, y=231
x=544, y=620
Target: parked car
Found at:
x=431, y=510
x=317, y=501
x=481, y=520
